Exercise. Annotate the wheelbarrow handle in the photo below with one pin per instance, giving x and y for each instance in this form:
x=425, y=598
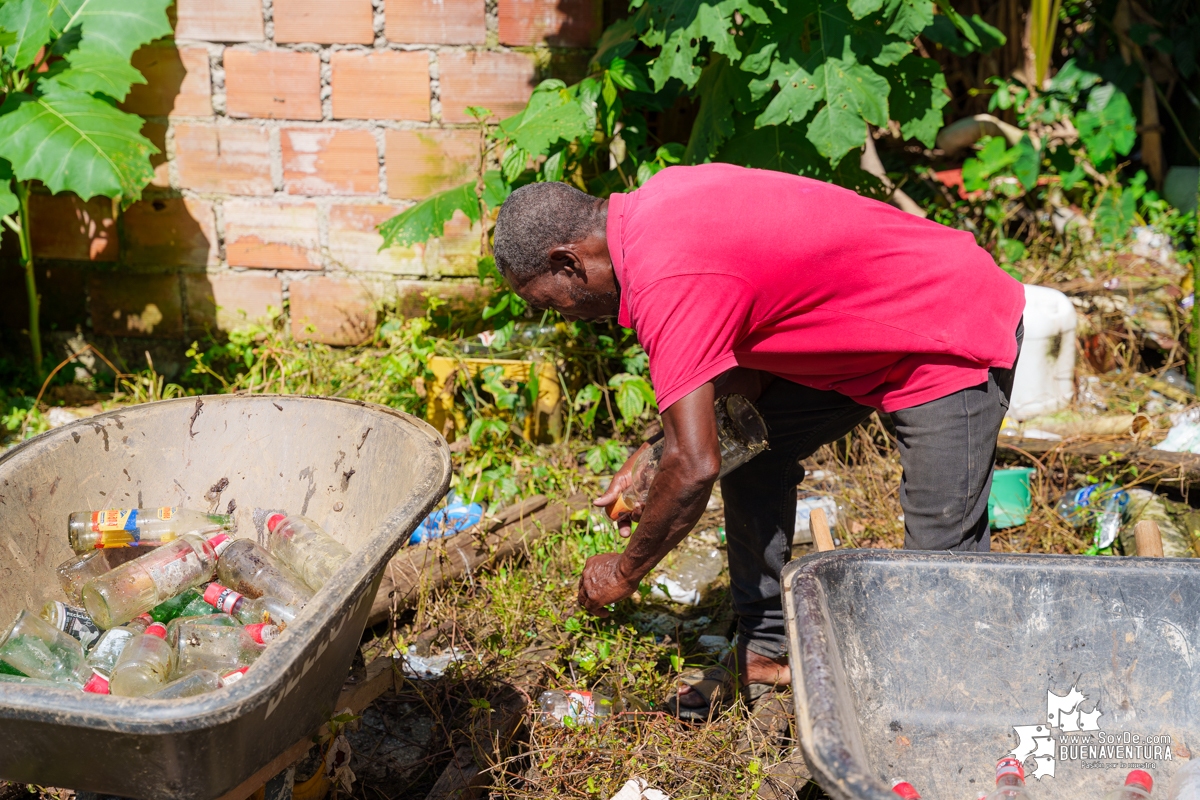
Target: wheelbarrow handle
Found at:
x=820, y=530
x=1148, y=539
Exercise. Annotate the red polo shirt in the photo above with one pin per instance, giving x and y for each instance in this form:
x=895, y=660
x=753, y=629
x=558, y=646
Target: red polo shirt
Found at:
x=721, y=266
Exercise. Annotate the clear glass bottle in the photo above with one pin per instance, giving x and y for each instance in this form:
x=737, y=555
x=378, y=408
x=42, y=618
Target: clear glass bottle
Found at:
x=140, y=527
x=1138, y=786
x=72, y=621
x=741, y=434
x=218, y=648
x=250, y=570
x=305, y=548
x=34, y=648
x=145, y=664
x=80, y=570
x=223, y=620
x=1010, y=781
x=248, y=610
x=140, y=585
x=103, y=656
x=1185, y=783
x=194, y=683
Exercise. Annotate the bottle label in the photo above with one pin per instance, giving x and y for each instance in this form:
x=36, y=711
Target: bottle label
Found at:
x=233, y=677
x=109, y=648
x=582, y=707
x=221, y=598
x=166, y=513
x=97, y=684
x=115, y=519
x=75, y=622
x=262, y=632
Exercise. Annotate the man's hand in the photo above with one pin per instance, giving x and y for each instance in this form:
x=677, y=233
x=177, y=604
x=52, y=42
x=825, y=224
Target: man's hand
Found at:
x=602, y=584
x=620, y=483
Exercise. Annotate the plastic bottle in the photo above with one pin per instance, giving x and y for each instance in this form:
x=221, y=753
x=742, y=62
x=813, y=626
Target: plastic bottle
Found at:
x=145, y=664
x=906, y=791
x=576, y=708
x=741, y=434
x=1100, y=506
x=140, y=527
x=140, y=585
x=248, y=610
x=1010, y=781
x=1185, y=783
x=103, y=656
x=217, y=647
x=72, y=621
x=251, y=570
x=194, y=683
x=1138, y=786
x=304, y=548
x=34, y=648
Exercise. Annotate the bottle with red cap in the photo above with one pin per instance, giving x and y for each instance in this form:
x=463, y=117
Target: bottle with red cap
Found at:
x=250, y=570
x=145, y=664
x=906, y=791
x=249, y=610
x=1010, y=781
x=219, y=648
x=305, y=548
x=107, y=650
x=139, y=585
x=140, y=527
x=1138, y=786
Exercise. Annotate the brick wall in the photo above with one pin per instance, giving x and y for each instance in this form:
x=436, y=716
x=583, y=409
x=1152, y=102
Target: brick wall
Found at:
x=289, y=130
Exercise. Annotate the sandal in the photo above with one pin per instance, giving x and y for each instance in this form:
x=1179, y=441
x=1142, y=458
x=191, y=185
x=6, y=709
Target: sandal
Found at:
x=713, y=683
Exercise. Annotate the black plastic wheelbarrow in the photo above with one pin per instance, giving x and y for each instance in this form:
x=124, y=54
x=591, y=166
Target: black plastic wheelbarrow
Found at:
x=368, y=474
x=928, y=667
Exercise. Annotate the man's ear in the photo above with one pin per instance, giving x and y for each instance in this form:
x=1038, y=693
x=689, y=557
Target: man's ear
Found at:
x=563, y=258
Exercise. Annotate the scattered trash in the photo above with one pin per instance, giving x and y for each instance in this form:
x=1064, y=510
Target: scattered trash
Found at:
x=428, y=668
x=59, y=416
x=1177, y=522
x=455, y=517
x=1100, y=506
x=1010, y=499
x=663, y=624
x=1184, y=435
x=639, y=789
x=691, y=573
x=805, y=504
x=575, y=708
x=1045, y=375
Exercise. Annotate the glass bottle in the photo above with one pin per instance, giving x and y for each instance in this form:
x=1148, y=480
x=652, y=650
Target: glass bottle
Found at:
x=145, y=664
x=1010, y=781
x=140, y=527
x=304, y=548
x=34, y=648
x=71, y=620
x=248, y=610
x=80, y=570
x=1138, y=786
x=218, y=648
x=251, y=570
x=108, y=648
x=138, y=586
x=194, y=683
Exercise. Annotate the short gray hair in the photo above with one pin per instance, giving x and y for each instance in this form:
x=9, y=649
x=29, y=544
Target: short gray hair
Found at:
x=537, y=218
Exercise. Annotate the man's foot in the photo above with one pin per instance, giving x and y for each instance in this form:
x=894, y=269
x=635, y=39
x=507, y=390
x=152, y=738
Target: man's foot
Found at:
x=756, y=668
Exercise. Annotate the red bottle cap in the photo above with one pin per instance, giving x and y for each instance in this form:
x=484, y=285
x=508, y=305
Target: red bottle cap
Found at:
x=273, y=521
x=221, y=598
x=906, y=790
x=234, y=676
x=157, y=629
x=1009, y=766
x=1140, y=778
x=220, y=542
x=98, y=684
x=262, y=632
x=149, y=620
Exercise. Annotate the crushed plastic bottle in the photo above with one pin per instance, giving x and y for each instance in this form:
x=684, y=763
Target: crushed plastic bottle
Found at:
x=72, y=621
x=1099, y=506
x=305, y=548
x=1185, y=783
x=248, y=610
x=140, y=585
x=575, y=708
x=105, y=653
x=250, y=570
x=140, y=527
x=906, y=791
x=34, y=648
x=1010, y=781
x=741, y=434
x=194, y=683
x=1138, y=786
x=219, y=648
x=454, y=517
x=145, y=665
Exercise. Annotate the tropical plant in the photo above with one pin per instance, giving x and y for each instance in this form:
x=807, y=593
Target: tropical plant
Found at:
x=65, y=63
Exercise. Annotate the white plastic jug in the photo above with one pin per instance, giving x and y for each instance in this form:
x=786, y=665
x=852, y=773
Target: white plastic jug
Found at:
x=1045, y=379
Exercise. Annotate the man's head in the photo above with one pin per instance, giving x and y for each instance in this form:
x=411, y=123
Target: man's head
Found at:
x=551, y=247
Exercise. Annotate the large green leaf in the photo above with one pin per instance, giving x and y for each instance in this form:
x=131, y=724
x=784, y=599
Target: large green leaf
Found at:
x=679, y=27
x=73, y=142
x=917, y=97
x=1107, y=129
x=88, y=70
x=114, y=26
x=553, y=114
x=720, y=86
x=29, y=22
x=785, y=148
x=427, y=219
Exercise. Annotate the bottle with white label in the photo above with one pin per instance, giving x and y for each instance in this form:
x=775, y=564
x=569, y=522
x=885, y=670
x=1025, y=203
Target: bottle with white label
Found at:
x=219, y=648
x=248, y=610
x=140, y=585
x=1010, y=781
x=140, y=527
x=108, y=648
x=34, y=648
x=72, y=621
x=145, y=664
x=305, y=548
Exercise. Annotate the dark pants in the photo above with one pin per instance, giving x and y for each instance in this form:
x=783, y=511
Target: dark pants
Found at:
x=947, y=449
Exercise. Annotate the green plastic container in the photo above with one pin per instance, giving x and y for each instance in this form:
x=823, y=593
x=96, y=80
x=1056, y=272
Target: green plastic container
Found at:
x=1010, y=499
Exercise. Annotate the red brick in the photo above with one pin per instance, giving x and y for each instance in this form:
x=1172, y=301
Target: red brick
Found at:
x=228, y=300
x=436, y=21
x=220, y=20
x=178, y=82
x=329, y=161
x=171, y=230
x=424, y=162
x=156, y=132
x=136, y=305
x=271, y=236
x=331, y=310
x=558, y=23
x=412, y=297
x=275, y=84
x=224, y=158
x=324, y=22
x=66, y=227
x=354, y=241
x=380, y=85
x=457, y=252
x=501, y=82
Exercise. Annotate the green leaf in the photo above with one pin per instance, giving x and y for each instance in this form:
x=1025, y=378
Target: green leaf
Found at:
x=917, y=97
x=73, y=142
x=552, y=115
x=1027, y=162
x=114, y=26
x=994, y=157
x=513, y=163
x=8, y=200
x=855, y=93
x=7, y=38
x=908, y=17
x=785, y=148
x=30, y=22
x=495, y=189
x=1109, y=130
x=100, y=71
x=970, y=35
x=617, y=41
x=427, y=219
x=680, y=26
x=628, y=75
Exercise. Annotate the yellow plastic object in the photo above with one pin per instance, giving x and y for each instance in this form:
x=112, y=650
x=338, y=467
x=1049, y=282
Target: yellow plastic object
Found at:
x=544, y=425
